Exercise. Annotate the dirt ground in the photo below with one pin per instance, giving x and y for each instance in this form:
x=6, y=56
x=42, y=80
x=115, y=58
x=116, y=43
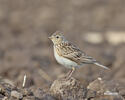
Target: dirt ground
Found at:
x=96, y=26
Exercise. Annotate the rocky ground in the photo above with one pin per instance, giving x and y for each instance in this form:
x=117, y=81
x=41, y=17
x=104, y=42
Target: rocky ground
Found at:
x=97, y=27
x=62, y=89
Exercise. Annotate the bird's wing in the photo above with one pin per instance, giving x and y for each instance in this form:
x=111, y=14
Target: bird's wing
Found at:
x=70, y=51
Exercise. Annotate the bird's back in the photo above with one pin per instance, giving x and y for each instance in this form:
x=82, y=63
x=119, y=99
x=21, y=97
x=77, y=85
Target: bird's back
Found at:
x=70, y=51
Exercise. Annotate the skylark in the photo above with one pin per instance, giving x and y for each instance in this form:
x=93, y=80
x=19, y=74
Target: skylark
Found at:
x=69, y=55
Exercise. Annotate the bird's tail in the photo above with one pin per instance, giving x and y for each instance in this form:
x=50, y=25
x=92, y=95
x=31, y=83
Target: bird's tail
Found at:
x=98, y=64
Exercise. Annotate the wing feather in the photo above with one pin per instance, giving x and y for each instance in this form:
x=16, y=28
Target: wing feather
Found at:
x=70, y=51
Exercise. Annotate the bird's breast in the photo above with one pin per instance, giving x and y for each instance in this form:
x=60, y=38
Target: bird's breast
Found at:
x=64, y=61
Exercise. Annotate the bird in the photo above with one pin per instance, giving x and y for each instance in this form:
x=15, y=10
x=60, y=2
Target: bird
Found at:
x=69, y=55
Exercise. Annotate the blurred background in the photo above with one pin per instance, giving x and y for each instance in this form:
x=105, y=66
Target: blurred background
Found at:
x=96, y=26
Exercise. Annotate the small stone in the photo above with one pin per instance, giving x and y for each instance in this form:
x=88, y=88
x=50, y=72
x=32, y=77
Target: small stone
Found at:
x=99, y=78
x=90, y=94
x=1, y=96
x=5, y=98
x=98, y=85
x=70, y=89
x=43, y=95
x=47, y=97
x=27, y=92
x=16, y=95
x=107, y=97
x=30, y=98
x=39, y=93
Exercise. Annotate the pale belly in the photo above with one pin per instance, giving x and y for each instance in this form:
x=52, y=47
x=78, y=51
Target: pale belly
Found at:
x=64, y=61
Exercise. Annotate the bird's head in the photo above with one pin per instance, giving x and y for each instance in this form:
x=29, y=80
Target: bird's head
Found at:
x=57, y=37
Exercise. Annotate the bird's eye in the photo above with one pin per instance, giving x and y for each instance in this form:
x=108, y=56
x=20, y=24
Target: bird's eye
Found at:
x=57, y=37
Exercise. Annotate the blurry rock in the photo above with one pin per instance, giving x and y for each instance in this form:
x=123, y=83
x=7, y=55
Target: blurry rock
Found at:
x=68, y=89
x=1, y=96
x=93, y=37
x=30, y=98
x=103, y=90
x=39, y=93
x=90, y=94
x=27, y=92
x=42, y=95
x=47, y=97
x=103, y=87
x=108, y=98
x=121, y=90
x=16, y=95
x=9, y=82
x=5, y=98
x=119, y=69
x=98, y=85
x=5, y=89
x=115, y=38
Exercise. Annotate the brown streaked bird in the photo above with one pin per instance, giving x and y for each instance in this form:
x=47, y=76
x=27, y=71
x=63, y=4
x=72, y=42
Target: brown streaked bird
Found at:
x=69, y=55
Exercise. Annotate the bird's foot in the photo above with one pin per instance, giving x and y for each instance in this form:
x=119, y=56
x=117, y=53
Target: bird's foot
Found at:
x=68, y=75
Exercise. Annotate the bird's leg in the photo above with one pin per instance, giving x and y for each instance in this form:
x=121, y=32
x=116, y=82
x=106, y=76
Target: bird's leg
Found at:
x=70, y=73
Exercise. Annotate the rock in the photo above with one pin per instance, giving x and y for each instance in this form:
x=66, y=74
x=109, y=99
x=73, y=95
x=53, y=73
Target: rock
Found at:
x=68, y=89
x=103, y=90
x=118, y=97
x=121, y=89
x=5, y=98
x=5, y=89
x=48, y=97
x=1, y=96
x=27, y=92
x=98, y=85
x=91, y=94
x=39, y=93
x=16, y=95
x=42, y=95
x=30, y=98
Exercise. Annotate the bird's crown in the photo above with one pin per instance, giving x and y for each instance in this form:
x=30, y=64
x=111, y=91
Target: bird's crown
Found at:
x=57, y=37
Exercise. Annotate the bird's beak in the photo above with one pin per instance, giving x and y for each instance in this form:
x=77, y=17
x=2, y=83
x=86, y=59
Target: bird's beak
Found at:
x=50, y=37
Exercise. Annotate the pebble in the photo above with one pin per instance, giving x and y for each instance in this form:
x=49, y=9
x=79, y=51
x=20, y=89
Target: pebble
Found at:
x=16, y=95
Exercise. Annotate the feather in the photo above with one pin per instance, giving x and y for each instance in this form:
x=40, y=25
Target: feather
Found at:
x=98, y=64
